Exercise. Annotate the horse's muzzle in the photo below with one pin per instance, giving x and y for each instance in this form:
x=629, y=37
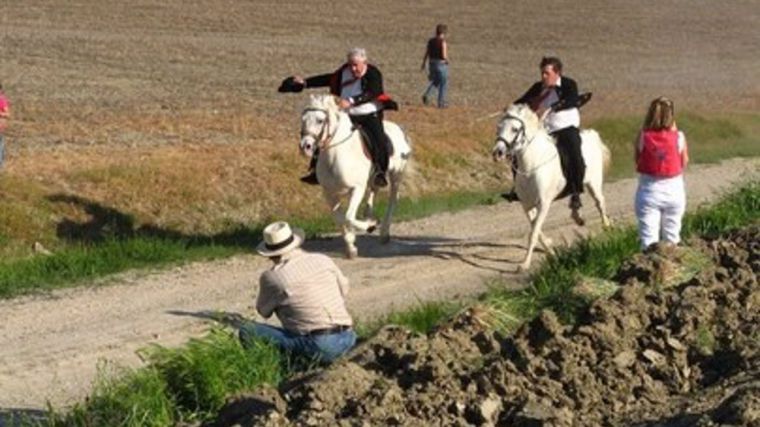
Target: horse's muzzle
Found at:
x=308, y=145
x=499, y=151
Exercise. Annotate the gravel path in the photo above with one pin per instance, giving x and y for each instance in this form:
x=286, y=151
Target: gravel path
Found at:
x=51, y=345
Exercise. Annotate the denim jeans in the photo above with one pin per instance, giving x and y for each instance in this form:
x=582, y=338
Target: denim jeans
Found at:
x=2, y=150
x=321, y=348
x=439, y=78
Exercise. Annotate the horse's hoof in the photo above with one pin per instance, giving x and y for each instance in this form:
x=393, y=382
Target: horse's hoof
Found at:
x=385, y=239
x=576, y=216
x=371, y=229
x=522, y=268
x=352, y=253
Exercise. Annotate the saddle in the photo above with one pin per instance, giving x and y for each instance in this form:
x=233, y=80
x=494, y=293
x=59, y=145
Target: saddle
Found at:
x=366, y=145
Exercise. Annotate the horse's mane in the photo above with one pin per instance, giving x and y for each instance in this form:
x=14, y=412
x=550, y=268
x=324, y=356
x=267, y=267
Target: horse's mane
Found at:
x=524, y=113
x=323, y=101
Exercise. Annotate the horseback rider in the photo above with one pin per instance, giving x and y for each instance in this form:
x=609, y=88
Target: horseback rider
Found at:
x=360, y=88
x=557, y=96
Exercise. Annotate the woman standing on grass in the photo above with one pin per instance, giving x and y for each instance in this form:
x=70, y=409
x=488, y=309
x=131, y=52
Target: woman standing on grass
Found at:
x=661, y=156
x=437, y=56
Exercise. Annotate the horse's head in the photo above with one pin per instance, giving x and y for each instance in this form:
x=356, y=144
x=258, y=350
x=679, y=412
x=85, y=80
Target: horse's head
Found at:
x=514, y=131
x=318, y=123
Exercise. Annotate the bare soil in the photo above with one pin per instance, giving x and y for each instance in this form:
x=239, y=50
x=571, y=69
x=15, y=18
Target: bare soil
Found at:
x=659, y=352
x=51, y=344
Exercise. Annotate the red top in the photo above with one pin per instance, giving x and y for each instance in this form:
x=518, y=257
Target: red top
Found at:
x=659, y=154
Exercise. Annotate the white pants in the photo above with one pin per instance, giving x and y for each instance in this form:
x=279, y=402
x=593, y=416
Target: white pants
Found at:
x=660, y=205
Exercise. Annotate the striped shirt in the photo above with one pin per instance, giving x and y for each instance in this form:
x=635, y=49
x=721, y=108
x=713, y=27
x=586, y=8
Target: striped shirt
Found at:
x=307, y=292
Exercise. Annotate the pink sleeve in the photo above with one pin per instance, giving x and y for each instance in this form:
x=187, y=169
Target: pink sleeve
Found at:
x=3, y=103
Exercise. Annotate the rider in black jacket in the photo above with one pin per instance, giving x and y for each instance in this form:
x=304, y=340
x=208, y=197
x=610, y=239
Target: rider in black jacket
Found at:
x=360, y=88
x=558, y=94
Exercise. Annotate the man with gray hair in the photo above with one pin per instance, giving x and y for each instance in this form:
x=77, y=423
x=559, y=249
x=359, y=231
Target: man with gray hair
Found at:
x=359, y=85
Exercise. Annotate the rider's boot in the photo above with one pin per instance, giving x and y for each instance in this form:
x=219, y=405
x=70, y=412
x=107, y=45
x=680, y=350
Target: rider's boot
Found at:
x=311, y=177
x=510, y=196
x=379, y=180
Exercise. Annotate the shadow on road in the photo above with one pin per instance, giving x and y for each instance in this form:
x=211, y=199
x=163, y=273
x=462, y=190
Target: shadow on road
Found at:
x=234, y=320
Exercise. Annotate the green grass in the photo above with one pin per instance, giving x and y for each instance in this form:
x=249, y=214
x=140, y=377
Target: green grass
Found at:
x=186, y=384
x=421, y=318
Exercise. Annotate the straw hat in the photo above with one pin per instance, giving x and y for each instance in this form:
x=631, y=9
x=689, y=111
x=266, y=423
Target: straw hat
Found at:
x=279, y=239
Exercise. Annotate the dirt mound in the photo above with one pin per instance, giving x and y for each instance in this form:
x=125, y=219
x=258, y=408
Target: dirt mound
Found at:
x=676, y=345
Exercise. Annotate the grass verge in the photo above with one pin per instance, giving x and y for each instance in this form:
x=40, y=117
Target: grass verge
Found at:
x=190, y=383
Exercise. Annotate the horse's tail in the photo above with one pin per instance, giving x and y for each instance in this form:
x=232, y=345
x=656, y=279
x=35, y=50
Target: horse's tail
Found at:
x=410, y=173
x=606, y=158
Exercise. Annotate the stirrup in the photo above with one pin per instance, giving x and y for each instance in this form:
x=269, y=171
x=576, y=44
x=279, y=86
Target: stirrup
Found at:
x=510, y=196
x=380, y=180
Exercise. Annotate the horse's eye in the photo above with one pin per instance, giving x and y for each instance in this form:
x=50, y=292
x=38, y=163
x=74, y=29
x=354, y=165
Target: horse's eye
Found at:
x=320, y=121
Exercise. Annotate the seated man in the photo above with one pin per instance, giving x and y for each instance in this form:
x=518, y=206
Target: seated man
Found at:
x=559, y=95
x=360, y=88
x=307, y=292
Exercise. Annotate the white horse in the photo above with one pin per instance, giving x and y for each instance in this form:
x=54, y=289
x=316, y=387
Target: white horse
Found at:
x=343, y=166
x=539, y=178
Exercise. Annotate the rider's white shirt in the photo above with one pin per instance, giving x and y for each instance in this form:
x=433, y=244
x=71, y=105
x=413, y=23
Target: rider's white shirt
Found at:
x=355, y=89
x=557, y=120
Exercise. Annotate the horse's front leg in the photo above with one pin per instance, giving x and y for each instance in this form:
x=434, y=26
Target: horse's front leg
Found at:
x=369, y=209
x=355, y=199
x=535, y=231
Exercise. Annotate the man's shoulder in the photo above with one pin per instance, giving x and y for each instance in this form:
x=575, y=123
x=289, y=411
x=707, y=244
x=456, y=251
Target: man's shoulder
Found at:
x=568, y=80
x=373, y=70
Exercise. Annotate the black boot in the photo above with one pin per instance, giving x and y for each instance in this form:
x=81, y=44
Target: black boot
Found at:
x=380, y=180
x=510, y=196
x=311, y=177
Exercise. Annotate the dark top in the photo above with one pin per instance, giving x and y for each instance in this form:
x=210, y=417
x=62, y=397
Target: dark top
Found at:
x=435, y=49
x=567, y=93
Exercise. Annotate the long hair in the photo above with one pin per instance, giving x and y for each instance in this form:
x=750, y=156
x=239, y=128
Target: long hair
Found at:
x=661, y=114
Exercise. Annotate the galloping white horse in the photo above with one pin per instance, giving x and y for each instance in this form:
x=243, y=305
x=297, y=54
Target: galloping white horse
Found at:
x=539, y=179
x=344, y=167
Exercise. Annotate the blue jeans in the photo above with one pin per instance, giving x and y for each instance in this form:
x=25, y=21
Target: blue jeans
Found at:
x=2, y=150
x=439, y=79
x=321, y=348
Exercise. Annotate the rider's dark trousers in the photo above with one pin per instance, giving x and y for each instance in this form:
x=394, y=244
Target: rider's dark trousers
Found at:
x=378, y=144
x=569, y=147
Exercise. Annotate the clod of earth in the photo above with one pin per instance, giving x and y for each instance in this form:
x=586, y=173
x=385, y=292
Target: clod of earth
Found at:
x=636, y=357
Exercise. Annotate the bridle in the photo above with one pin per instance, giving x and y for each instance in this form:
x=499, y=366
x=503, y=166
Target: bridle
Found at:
x=521, y=134
x=518, y=135
x=323, y=137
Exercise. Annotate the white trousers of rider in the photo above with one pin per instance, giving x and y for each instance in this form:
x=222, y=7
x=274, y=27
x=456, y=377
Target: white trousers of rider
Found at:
x=660, y=205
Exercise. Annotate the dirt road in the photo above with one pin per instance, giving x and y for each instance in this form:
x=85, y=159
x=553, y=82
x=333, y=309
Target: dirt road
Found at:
x=51, y=345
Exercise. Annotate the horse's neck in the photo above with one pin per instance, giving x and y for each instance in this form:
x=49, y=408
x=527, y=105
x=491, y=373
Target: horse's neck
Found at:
x=538, y=152
x=339, y=143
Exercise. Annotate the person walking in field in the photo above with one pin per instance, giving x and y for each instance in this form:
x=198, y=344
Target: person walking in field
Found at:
x=661, y=156
x=556, y=95
x=359, y=85
x=437, y=58
x=5, y=114
x=307, y=292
